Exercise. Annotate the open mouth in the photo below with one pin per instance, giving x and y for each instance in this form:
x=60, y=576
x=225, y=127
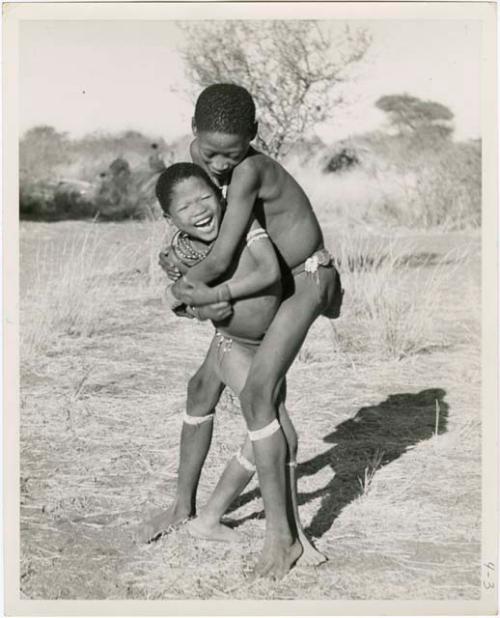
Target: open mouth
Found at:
x=207, y=224
x=220, y=176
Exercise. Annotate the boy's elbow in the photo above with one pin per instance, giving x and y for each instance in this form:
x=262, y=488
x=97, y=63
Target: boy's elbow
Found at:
x=221, y=265
x=271, y=274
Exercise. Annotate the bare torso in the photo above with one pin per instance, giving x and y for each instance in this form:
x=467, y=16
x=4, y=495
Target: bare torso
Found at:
x=282, y=207
x=251, y=317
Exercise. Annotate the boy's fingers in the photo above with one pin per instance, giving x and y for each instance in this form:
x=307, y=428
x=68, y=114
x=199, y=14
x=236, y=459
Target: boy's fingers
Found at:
x=173, y=273
x=185, y=284
x=224, y=309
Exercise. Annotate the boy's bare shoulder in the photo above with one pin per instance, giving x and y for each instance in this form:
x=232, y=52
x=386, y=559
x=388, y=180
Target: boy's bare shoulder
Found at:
x=253, y=165
x=247, y=171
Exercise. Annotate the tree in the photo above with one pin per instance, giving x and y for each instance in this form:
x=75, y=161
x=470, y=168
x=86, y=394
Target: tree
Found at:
x=290, y=67
x=411, y=114
x=40, y=149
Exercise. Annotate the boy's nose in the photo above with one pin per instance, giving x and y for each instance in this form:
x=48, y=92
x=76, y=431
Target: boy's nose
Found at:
x=220, y=166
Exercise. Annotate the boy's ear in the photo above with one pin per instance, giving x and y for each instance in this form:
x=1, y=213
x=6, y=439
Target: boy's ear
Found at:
x=193, y=126
x=254, y=130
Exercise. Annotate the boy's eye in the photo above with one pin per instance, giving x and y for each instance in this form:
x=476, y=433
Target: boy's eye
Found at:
x=206, y=197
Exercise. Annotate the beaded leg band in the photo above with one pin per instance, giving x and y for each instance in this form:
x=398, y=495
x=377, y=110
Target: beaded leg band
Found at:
x=265, y=432
x=292, y=464
x=197, y=420
x=244, y=463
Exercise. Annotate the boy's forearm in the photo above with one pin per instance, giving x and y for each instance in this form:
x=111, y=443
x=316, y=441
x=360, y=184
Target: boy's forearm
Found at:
x=242, y=194
x=236, y=288
x=209, y=269
x=250, y=285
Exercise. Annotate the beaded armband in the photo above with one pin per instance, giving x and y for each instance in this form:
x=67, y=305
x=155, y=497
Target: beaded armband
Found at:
x=256, y=234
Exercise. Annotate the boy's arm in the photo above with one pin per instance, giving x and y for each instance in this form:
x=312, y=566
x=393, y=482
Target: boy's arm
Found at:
x=211, y=311
x=242, y=194
x=264, y=273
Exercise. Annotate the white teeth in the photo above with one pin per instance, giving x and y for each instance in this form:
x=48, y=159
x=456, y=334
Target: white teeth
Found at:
x=204, y=222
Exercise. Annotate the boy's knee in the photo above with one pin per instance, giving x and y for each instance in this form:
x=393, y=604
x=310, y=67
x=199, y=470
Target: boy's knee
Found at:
x=256, y=403
x=199, y=393
x=194, y=387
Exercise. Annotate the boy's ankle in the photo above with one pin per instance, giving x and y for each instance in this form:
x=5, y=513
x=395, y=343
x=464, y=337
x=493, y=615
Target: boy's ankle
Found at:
x=181, y=509
x=279, y=536
x=208, y=518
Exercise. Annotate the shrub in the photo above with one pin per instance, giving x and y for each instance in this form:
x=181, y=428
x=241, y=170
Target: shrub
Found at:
x=101, y=175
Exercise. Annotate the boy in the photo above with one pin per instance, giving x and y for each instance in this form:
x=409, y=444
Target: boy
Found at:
x=190, y=200
x=224, y=125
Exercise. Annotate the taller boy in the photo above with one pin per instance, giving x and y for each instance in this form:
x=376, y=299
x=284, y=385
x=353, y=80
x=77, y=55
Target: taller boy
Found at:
x=224, y=126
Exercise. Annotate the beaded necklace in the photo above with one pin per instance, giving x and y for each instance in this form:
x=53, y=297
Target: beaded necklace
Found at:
x=186, y=250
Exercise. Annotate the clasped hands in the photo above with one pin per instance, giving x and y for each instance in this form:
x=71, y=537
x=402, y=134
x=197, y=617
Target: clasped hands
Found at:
x=214, y=303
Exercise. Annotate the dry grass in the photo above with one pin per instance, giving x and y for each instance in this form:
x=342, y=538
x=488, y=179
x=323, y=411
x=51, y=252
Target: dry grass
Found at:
x=395, y=294
x=72, y=282
x=394, y=502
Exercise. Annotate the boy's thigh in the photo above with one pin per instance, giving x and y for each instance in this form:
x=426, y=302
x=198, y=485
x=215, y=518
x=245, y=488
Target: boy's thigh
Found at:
x=206, y=384
x=285, y=335
x=234, y=366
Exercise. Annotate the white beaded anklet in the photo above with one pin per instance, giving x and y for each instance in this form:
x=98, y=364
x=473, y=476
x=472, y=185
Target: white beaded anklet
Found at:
x=197, y=420
x=268, y=430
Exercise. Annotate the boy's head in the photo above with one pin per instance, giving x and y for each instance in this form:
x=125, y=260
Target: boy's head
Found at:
x=190, y=199
x=224, y=124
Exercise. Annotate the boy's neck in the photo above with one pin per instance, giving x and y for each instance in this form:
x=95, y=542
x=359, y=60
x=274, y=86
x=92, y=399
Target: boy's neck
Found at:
x=197, y=243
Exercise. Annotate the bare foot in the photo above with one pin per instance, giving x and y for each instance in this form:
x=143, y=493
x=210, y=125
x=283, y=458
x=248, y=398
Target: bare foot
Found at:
x=160, y=523
x=213, y=531
x=277, y=559
x=310, y=556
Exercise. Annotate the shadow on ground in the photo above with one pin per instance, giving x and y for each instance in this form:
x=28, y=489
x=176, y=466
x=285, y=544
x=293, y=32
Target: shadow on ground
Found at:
x=373, y=438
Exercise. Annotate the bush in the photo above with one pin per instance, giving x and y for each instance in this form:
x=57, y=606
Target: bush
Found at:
x=421, y=181
x=100, y=175
x=36, y=200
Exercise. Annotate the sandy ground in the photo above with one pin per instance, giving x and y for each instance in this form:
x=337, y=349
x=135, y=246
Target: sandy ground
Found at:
x=395, y=504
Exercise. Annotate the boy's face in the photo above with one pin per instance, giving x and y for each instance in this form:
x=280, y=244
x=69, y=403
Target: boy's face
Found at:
x=221, y=152
x=195, y=209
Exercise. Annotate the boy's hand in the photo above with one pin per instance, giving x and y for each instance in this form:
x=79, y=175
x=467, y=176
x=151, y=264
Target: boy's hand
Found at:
x=171, y=265
x=216, y=311
x=193, y=292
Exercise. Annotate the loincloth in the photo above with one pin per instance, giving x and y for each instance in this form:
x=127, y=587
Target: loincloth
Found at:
x=226, y=342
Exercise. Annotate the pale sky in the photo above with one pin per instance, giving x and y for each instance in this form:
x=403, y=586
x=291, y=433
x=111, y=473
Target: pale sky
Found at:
x=84, y=76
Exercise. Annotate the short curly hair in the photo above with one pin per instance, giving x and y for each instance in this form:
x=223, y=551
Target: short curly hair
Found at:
x=174, y=174
x=225, y=108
